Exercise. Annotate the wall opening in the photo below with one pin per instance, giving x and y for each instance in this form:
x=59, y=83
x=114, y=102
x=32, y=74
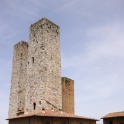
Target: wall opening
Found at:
x=110, y=122
x=33, y=60
x=34, y=105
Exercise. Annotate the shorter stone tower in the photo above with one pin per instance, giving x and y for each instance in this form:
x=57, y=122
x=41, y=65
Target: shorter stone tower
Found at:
x=67, y=95
x=19, y=72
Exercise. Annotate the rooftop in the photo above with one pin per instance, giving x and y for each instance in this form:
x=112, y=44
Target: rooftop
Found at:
x=114, y=114
x=51, y=113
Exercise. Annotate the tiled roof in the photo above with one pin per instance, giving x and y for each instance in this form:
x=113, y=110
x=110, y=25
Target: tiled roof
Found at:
x=51, y=113
x=114, y=114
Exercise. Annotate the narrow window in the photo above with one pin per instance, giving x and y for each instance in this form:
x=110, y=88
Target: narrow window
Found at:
x=33, y=60
x=34, y=104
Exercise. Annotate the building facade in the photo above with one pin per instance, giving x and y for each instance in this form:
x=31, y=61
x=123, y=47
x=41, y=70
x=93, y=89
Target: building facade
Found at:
x=51, y=117
x=114, y=118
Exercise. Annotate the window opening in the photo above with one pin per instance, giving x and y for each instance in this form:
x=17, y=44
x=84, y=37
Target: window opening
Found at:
x=34, y=104
x=33, y=59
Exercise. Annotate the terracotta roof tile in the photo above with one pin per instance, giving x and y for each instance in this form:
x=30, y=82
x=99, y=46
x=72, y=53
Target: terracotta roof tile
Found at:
x=51, y=113
x=114, y=114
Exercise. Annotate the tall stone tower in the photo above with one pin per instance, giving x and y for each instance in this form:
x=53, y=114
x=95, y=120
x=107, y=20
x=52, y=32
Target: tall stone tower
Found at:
x=19, y=72
x=67, y=95
x=43, y=88
x=36, y=74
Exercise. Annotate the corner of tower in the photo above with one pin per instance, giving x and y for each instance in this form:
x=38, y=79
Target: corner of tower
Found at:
x=44, y=23
x=21, y=43
x=67, y=79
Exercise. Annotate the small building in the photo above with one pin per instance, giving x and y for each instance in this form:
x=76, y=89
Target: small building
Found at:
x=114, y=118
x=50, y=117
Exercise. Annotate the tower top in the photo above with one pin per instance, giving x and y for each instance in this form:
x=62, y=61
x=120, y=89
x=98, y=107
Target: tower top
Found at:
x=44, y=21
x=21, y=43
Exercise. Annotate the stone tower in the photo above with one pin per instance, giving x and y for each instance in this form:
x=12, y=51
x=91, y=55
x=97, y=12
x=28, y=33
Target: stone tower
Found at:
x=36, y=74
x=67, y=95
x=43, y=88
x=19, y=72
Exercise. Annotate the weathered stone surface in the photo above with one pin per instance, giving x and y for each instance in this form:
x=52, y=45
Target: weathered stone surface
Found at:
x=19, y=72
x=67, y=95
x=36, y=77
x=44, y=67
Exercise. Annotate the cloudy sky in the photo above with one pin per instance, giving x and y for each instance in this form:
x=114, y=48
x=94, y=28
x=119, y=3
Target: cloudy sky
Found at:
x=92, y=49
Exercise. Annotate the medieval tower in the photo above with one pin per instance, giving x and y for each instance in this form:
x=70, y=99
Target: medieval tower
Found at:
x=44, y=67
x=18, y=82
x=36, y=74
x=67, y=95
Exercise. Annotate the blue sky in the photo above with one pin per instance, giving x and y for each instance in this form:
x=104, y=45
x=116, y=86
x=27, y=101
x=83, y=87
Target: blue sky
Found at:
x=92, y=48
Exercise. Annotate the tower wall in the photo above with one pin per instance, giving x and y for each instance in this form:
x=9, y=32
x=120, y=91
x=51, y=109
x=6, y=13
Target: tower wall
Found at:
x=43, y=89
x=18, y=81
x=67, y=95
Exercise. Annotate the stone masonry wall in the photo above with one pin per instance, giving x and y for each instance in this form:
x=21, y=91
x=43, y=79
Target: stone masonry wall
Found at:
x=43, y=89
x=18, y=81
x=67, y=95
